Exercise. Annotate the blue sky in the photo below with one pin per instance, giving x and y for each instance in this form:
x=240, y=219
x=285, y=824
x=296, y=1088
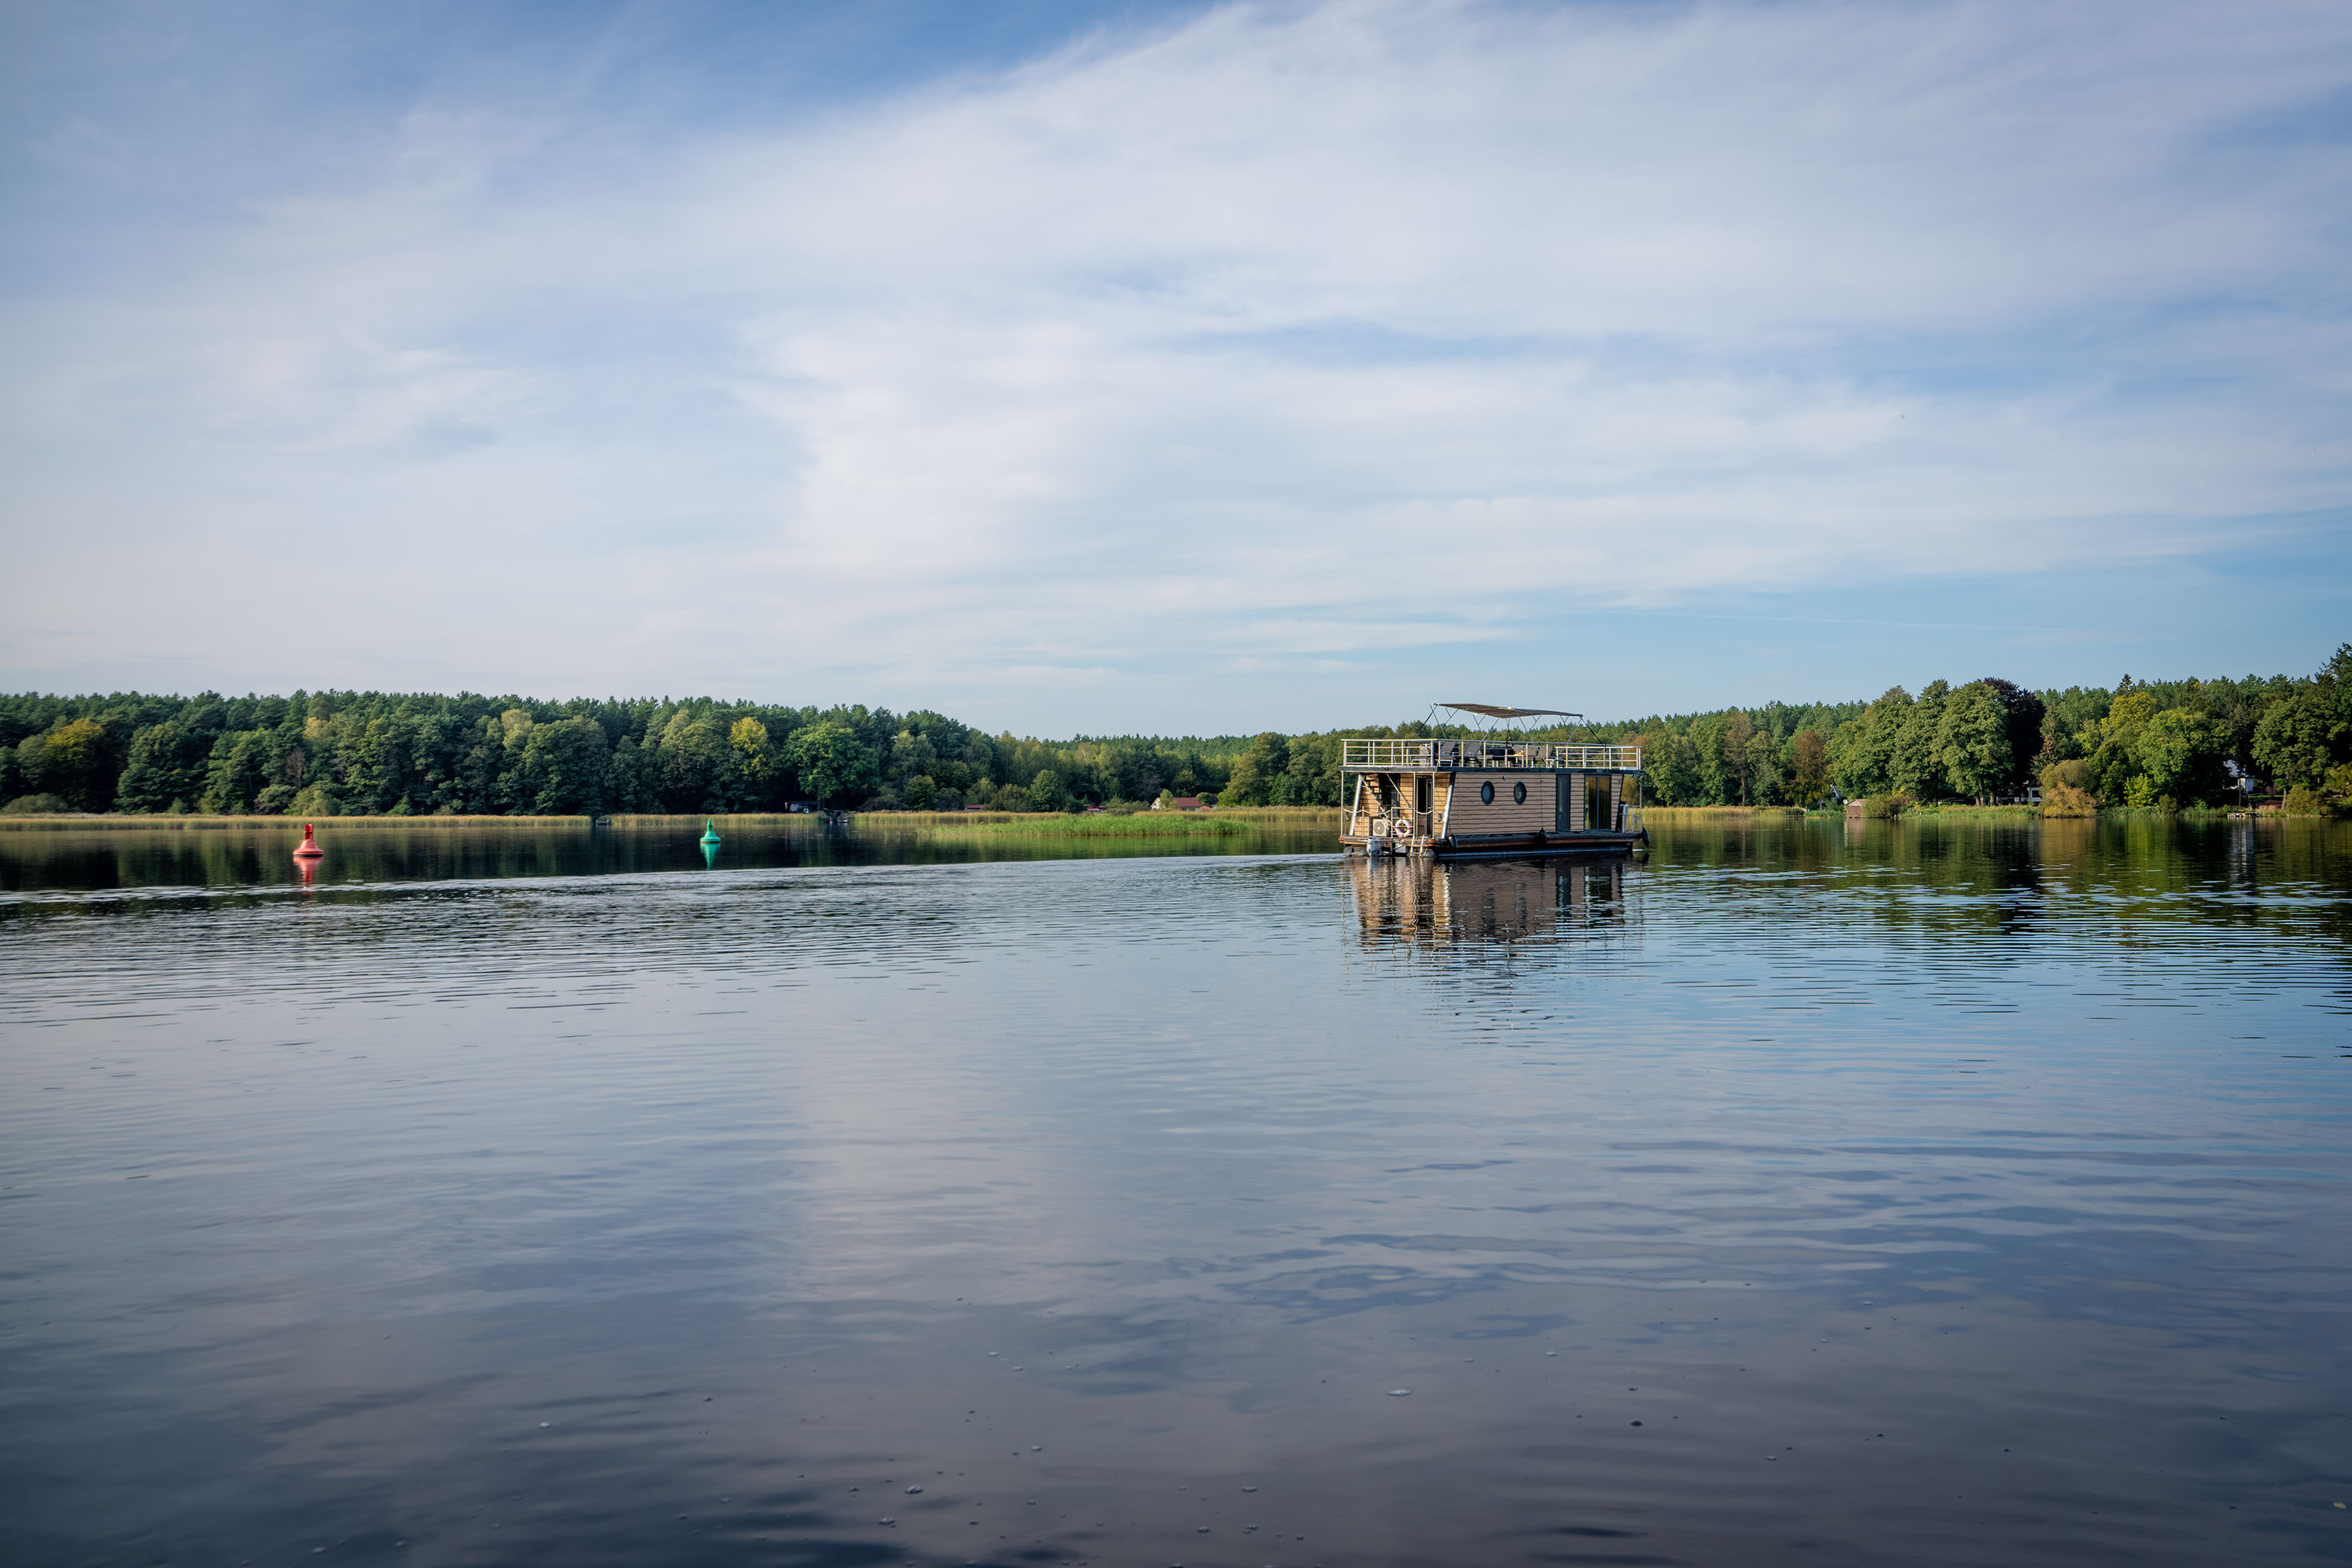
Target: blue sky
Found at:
x=1193, y=368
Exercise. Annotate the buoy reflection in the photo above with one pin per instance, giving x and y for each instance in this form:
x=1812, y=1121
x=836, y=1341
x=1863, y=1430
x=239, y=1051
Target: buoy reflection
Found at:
x=307, y=855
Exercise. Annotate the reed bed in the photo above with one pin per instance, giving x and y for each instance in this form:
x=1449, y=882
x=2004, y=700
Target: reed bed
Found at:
x=1968, y=809
x=127, y=821
x=1104, y=824
x=1142, y=824
x=1700, y=813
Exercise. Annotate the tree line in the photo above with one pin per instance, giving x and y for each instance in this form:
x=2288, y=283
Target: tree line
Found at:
x=399, y=754
x=2158, y=745
x=2155, y=744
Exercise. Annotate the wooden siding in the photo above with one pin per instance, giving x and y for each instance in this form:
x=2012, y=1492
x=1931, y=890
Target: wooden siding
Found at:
x=1469, y=814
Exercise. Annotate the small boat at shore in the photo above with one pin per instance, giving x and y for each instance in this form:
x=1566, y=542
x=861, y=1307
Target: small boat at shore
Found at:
x=1494, y=793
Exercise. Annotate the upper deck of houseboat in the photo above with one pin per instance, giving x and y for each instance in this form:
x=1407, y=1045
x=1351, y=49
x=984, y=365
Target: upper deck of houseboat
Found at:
x=1369, y=756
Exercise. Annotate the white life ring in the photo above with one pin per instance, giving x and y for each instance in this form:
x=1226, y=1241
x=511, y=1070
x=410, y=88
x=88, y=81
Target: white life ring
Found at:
x=1402, y=828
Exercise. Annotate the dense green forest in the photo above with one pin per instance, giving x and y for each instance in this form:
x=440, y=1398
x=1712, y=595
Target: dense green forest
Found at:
x=375, y=753
x=2158, y=744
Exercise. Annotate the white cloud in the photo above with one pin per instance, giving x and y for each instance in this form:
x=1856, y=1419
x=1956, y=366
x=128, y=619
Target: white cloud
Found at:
x=1286, y=334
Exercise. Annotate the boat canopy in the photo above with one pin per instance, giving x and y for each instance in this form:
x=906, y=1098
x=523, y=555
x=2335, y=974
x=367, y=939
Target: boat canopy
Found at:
x=1495, y=710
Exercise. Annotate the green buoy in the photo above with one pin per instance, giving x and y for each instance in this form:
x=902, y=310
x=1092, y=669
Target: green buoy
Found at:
x=710, y=833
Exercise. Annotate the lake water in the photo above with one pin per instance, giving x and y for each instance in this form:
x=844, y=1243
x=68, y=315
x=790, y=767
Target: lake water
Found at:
x=1911, y=1194
x=261, y=855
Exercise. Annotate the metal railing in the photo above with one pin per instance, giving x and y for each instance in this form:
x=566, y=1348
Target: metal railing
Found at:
x=1364, y=756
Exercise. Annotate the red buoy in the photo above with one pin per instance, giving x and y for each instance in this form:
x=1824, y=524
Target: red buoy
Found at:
x=309, y=850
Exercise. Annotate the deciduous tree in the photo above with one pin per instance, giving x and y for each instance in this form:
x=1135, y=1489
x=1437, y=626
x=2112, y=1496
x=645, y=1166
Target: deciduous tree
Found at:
x=1913, y=765
x=2179, y=753
x=1809, y=767
x=2298, y=739
x=1972, y=742
x=834, y=766
x=1737, y=739
x=564, y=768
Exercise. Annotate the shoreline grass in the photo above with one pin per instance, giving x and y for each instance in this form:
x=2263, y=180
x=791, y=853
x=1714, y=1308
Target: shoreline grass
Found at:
x=1677, y=812
x=1145, y=824
x=929, y=821
x=126, y=822
x=1105, y=824
x=193, y=823
x=1095, y=827
x=1964, y=811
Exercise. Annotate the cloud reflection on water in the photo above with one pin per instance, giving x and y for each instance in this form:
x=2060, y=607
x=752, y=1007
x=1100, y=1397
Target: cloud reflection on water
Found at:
x=2022, y=1151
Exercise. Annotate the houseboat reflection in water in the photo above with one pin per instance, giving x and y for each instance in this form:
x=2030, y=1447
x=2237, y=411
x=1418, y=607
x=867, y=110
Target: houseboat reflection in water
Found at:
x=1422, y=899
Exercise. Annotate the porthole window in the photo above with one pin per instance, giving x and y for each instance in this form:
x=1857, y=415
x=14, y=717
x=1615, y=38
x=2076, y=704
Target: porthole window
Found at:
x=1486, y=794
x=1519, y=794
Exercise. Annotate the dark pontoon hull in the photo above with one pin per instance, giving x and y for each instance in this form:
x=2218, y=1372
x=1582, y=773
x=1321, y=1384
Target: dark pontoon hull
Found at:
x=1514, y=845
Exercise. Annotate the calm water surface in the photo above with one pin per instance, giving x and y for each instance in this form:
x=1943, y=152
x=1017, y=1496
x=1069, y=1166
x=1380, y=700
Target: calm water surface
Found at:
x=1912, y=1195
x=380, y=849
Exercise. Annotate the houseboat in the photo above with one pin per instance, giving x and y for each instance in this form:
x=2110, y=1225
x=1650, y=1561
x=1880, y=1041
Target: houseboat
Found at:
x=1496, y=792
